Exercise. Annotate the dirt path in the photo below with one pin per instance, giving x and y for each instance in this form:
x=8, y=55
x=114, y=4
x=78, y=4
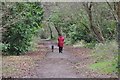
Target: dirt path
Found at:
x=69, y=64
x=56, y=65
x=66, y=65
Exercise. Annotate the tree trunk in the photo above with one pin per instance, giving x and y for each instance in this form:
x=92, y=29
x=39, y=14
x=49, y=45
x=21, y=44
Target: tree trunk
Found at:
x=118, y=30
x=95, y=30
x=58, y=30
x=112, y=10
x=51, y=34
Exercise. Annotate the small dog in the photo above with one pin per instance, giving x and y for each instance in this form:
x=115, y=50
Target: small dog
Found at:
x=52, y=48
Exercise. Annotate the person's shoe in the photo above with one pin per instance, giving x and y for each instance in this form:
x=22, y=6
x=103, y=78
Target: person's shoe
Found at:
x=61, y=52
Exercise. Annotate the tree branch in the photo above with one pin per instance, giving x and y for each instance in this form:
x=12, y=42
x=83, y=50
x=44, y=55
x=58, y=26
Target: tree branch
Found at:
x=113, y=12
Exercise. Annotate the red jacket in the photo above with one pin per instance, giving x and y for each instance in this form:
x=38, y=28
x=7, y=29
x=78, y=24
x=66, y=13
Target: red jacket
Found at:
x=60, y=41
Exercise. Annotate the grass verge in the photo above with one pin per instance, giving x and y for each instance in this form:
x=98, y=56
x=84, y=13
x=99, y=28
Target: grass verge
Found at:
x=106, y=58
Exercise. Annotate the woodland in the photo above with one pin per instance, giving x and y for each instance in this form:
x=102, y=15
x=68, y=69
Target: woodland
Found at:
x=91, y=31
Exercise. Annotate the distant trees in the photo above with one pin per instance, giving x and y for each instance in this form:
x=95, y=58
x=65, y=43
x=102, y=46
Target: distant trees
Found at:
x=55, y=18
x=84, y=21
x=90, y=22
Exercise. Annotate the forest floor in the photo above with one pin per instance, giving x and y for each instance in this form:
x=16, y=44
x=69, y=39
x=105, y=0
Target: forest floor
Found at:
x=72, y=63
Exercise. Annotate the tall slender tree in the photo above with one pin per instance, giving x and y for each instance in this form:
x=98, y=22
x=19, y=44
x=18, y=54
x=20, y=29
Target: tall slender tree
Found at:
x=97, y=32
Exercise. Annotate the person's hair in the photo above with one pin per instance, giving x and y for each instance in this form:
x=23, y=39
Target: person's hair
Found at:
x=60, y=34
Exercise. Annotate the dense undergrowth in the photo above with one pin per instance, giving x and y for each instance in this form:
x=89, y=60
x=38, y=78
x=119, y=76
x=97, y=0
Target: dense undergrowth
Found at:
x=106, y=56
x=24, y=22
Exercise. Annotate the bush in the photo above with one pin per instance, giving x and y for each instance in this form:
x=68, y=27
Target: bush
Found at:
x=90, y=45
x=3, y=47
x=18, y=36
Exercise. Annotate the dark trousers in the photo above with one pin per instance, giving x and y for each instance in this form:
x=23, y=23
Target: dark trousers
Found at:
x=60, y=49
x=52, y=48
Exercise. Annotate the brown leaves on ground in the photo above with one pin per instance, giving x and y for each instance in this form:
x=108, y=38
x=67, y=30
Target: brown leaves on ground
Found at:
x=16, y=65
x=19, y=66
x=85, y=58
x=77, y=51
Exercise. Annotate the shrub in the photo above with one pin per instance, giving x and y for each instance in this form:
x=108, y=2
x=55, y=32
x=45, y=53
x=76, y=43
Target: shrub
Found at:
x=91, y=45
x=18, y=36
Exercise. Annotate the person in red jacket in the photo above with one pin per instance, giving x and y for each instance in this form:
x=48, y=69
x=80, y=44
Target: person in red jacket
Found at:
x=60, y=43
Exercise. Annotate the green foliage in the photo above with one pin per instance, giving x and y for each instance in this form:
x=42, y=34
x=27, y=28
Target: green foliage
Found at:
x=18, y=36
x=106, y=57
x=109, y=27
x=73, y=26
x=77, y=32
x=106, y=67
x=73, y=21
x=104, y=19
x=55, y=18
x=91, y=44
x=42, y=33
x=33, y=44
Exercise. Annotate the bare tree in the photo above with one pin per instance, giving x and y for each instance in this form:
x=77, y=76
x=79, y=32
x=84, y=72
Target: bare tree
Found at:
x=113, y=10
x=96, y=31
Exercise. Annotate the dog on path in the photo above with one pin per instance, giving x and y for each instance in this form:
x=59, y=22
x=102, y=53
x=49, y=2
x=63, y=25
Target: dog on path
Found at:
x=52, y=48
